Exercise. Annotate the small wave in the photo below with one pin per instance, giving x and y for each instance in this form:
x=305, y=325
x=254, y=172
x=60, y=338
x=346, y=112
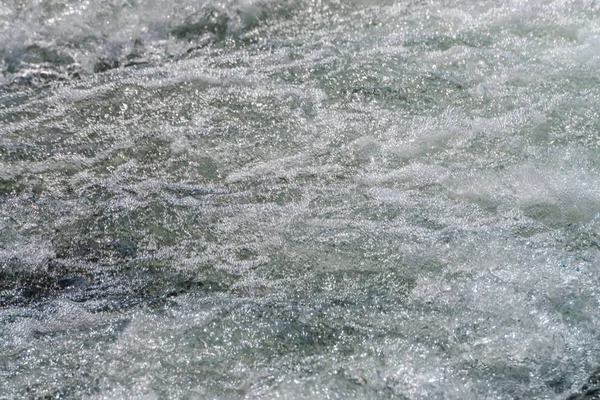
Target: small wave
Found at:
x=63, y=41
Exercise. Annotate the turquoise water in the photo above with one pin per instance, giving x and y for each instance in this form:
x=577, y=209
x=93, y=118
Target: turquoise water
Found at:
x=312, y=199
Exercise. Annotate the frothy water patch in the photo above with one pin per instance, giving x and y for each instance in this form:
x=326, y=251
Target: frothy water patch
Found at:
x=272, y=199
x=57, y=40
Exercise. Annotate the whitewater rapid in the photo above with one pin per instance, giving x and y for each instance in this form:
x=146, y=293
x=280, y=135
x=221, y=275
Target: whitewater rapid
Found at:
x=299, y=199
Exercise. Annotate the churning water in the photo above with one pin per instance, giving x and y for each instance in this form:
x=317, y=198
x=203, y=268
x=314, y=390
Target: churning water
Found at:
x=299, y=199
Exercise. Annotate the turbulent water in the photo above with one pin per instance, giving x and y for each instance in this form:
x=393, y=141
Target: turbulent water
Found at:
x=299, y=199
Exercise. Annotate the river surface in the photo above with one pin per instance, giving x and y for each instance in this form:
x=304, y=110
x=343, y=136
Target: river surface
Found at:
x=313, y=199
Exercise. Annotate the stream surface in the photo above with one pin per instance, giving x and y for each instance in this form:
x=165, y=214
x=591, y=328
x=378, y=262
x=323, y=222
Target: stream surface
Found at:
x=312, y=199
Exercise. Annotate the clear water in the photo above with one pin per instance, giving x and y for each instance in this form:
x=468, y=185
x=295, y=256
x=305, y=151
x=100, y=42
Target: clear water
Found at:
x=299, y=199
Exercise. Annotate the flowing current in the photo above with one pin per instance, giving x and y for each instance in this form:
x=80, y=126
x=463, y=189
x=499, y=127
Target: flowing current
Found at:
x=312, y=199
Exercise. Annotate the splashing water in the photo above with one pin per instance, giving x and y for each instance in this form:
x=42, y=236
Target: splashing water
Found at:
x=313, y=199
